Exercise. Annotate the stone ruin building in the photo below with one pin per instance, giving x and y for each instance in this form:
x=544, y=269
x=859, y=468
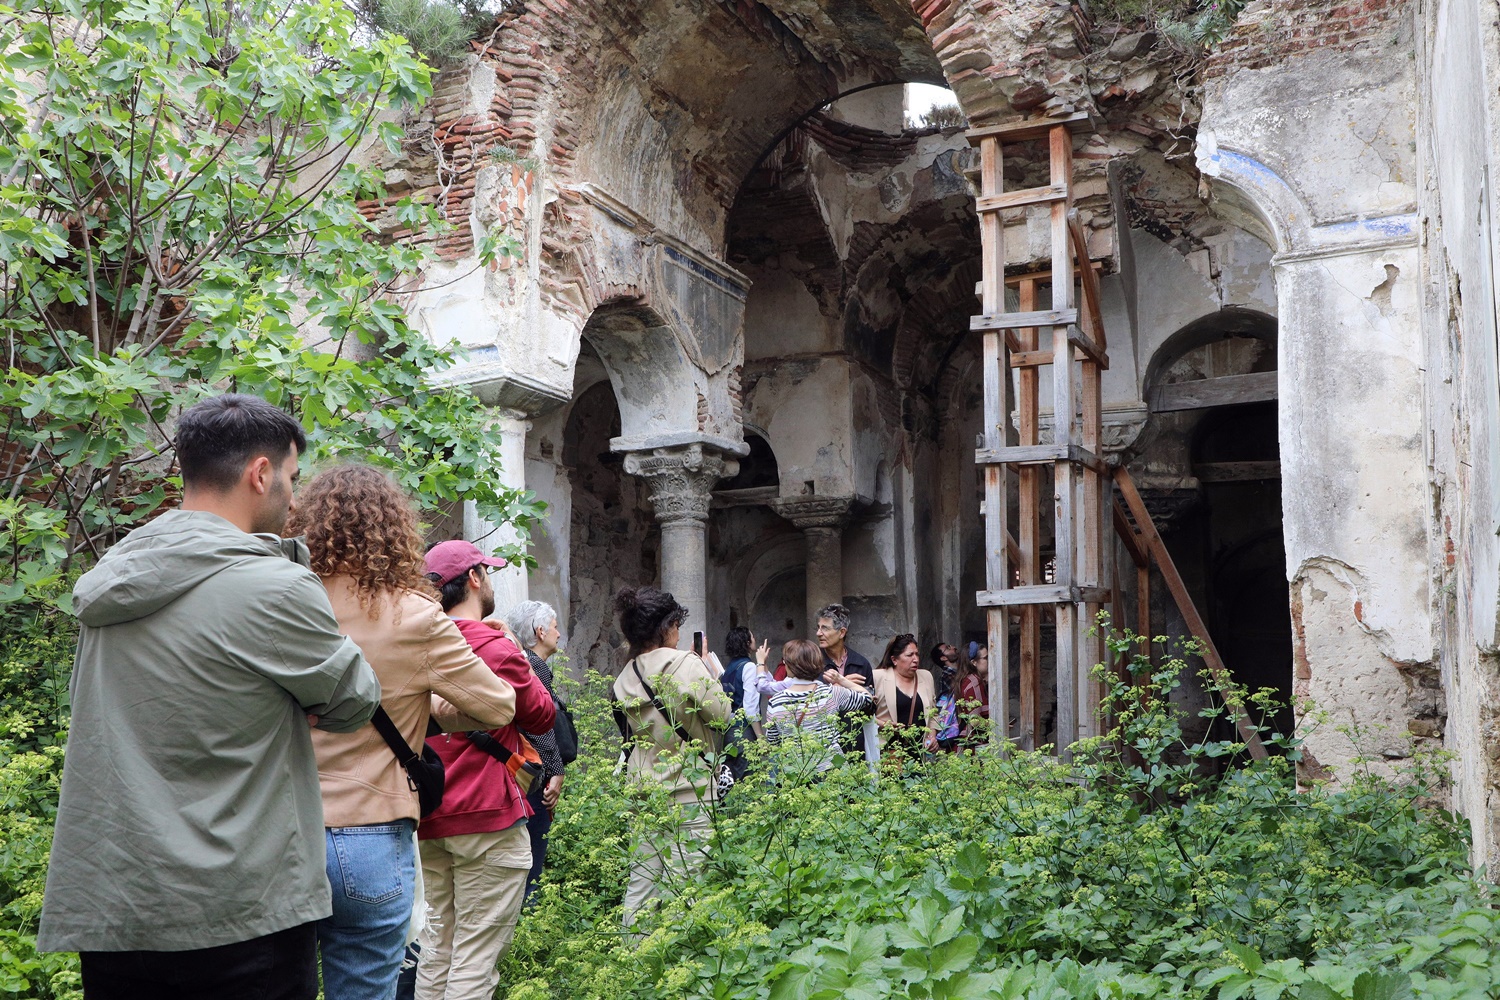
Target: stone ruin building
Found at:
x=736, y=355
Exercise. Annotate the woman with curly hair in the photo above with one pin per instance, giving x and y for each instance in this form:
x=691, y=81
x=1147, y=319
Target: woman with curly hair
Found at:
x=362, y=540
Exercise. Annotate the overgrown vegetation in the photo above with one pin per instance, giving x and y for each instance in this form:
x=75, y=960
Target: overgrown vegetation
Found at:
x=180, y=214
x=1192, y=872
x=36, y=654
x=970, y=876
x=1192, y=24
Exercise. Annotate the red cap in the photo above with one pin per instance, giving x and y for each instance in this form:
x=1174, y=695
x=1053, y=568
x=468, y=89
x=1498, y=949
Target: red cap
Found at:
x=450, y=560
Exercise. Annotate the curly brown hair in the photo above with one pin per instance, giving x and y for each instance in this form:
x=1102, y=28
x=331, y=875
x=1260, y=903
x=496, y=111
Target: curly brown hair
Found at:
x=361, y=525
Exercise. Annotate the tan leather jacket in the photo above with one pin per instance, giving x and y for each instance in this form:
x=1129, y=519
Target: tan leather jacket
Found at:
x=885, y=697
x=417, y=652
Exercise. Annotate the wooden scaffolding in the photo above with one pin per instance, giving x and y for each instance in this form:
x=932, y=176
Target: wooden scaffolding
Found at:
x=1068, y=338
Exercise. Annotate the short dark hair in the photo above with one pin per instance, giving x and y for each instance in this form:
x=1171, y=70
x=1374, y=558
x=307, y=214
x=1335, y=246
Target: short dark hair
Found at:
x=646, y=614
x=453, y=592
x=837, y=615
x=737, y=643
x=217, y=436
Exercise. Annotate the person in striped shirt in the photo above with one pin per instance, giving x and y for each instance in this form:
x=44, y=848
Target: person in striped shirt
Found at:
x=808, y=711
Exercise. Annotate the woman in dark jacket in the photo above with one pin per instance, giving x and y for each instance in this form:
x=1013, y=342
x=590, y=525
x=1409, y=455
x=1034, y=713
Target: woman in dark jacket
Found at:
x=534, y=624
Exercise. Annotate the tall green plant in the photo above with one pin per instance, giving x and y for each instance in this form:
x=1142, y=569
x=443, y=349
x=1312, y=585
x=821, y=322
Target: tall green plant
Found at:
x=180, y=214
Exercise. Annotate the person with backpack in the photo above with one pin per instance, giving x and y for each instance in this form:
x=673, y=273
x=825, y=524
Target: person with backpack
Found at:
x=534, y=625
x=363, y=542
x=476, y=848
x=671, y=709
x=739, y=683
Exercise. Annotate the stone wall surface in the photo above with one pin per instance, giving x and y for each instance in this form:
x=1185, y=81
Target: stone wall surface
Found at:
x=1458, y=54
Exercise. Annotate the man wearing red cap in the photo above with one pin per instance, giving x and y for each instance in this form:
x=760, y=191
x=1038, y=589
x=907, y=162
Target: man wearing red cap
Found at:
x=476, y=851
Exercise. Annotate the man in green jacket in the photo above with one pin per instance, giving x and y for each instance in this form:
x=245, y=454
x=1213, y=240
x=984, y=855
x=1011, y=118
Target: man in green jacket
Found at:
x=188, y=859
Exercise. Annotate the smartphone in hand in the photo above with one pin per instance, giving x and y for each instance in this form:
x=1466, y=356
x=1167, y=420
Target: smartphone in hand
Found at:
x=698, y=643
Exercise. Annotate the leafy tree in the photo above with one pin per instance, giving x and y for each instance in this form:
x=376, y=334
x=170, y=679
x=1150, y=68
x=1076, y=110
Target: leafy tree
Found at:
x=438, y=29
x=180, y=215
x=943, y=116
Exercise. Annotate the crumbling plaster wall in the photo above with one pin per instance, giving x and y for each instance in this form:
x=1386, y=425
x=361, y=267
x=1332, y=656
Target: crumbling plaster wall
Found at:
x=1458, y=131
x=1308, y=134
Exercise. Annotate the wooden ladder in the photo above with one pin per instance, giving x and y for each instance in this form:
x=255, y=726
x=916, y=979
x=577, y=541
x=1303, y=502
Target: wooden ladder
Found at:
x=1082, y=507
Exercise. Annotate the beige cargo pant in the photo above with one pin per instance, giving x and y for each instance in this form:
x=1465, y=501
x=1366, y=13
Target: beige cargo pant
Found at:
x=474, y=883
x=653, y=866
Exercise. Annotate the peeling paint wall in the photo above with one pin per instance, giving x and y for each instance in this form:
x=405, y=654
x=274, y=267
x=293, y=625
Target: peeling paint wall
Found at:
x=1458, y=54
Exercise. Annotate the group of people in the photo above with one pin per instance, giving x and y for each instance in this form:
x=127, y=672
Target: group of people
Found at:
x=822, y=698
x=265, y=694
x=913, y=708
x=261, y=689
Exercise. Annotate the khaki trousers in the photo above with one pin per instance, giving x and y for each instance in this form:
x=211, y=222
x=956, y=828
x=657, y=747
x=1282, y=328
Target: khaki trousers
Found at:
x=654, y=868
x=475, y=882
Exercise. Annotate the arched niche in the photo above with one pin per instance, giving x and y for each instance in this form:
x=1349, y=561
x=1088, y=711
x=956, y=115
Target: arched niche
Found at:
x=758, y=470
x=1208, y=464
x=654, y=381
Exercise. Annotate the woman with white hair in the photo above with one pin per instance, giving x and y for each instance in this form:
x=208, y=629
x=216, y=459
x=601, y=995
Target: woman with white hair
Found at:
x=534, y=624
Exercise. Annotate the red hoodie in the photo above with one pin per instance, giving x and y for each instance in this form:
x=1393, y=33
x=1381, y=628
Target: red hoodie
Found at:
x=479, y=795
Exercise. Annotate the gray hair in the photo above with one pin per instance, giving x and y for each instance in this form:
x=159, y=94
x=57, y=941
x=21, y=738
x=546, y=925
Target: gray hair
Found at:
x=837, y=615
x=525, y=618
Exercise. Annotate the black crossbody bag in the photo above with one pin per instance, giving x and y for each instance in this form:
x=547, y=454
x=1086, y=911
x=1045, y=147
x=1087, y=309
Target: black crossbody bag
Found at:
x=424, y=771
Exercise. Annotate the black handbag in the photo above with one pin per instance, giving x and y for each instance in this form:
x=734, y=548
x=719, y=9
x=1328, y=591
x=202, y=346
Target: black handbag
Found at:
x=424, y=771
x=565, y=732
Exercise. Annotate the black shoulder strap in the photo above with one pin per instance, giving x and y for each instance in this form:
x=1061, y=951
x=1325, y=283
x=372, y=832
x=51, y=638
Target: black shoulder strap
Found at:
x=392, y=736
x=656, y=702
x=490, y=745
x=621, y=722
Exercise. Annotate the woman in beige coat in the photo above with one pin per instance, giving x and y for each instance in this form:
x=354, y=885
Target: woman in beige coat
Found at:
x=905, y=700
x=688, y=688
x=363, y=539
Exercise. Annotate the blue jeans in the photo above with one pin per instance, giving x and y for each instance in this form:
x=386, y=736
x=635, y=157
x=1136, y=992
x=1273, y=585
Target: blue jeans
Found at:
x=373, y=873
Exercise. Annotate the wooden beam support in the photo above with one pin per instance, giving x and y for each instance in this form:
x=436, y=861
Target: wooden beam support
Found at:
x=1126, y=532
x=1022, y=320
x=1040, y=454
x=998, y=342
x=1090, y=281
x=1028, y=129
x=1029, y=529
x=1040, y=594
x=1020, y=198
x=1189, y=611
x=1237, y=472
x=1226, y=390
x=1037, y=359
x=1040, y=277
x=1090, y=350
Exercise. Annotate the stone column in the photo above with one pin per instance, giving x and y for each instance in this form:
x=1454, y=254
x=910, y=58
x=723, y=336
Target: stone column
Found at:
x=822, y=522
x=510, y=426
x=680, y=480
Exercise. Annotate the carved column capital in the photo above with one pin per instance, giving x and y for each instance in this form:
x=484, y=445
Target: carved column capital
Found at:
x=814, y=512
x=680, y=480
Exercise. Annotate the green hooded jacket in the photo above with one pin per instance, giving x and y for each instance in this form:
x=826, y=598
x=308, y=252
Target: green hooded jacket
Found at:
x=190, y=815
